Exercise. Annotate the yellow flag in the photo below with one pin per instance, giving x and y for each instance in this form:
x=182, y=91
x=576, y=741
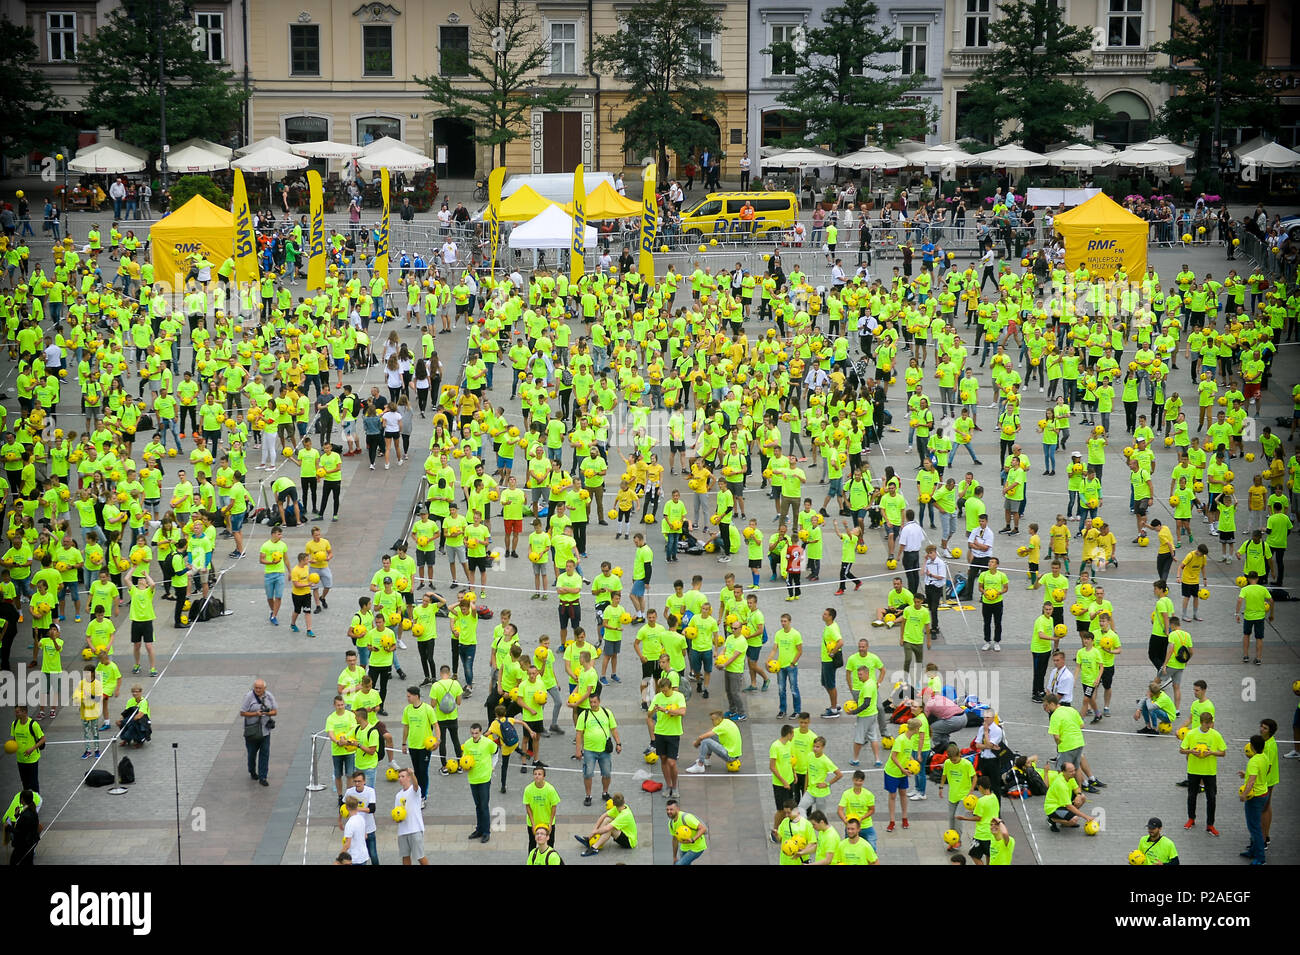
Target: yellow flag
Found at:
x=316, y=234
x=649, y=226
x=245, y=245
x=381, y=238
x=496, y=179
x=578, y=246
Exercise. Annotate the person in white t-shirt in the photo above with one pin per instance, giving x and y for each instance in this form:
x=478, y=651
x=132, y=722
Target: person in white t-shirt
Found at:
x=354, y=832
x=1059, y=679
x=410, y=831
x=365, y=796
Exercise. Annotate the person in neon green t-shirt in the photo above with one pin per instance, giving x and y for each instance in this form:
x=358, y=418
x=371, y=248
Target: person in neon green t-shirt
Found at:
x=480, y=749
x=142, y=616
x=985, y=811
x=1253, y=794
x=616, y=824
x=853, y=849
x=1254, y=603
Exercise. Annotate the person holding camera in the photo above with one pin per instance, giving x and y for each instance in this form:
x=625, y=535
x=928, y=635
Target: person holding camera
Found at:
x=258, y=711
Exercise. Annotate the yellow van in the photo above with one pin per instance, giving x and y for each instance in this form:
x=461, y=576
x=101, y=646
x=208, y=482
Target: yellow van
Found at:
x=718, y=213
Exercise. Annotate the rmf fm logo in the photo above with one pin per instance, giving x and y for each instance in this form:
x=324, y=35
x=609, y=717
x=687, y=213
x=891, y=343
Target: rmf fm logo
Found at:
x=577, y=242
x=189, y=247
x=317, y=233
x=649, y=224
x=1095, y=244
x=243, y=233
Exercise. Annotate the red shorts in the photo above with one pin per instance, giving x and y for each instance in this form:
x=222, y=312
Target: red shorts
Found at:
x=1251, y=391
x=515, y=527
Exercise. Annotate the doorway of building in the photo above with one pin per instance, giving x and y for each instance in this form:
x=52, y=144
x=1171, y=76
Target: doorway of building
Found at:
x=457, y=137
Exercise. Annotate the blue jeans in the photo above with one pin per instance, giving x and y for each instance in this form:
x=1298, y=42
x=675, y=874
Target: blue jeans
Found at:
x=789, y=675
x=372, y=846
x=870, y=835
x=687, y=856
x=482, y=793
x=591, y=759
x=1049, y=457
x=363, y=656
x=169, y=425
x=670, y=545
x=467, y=662
x=259, y=754
x=1153, y=715
x=711, y=747
x=1254, y=807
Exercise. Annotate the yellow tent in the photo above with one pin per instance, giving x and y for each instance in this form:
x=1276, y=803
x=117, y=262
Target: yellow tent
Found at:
x=604, y=202
x=1102, y=236
x=522, y=204
x=196, y=227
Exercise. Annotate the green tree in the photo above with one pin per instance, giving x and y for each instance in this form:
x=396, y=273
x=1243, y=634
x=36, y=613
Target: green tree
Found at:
x=1193, y=50
x=844, y=87
x=493, y=83
x=120, y=62
x=657, y=51
x=1030, y=81
x=28, y=117
x=187, y=187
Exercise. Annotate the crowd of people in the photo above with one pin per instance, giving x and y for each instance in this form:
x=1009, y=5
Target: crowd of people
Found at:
x=769, y=397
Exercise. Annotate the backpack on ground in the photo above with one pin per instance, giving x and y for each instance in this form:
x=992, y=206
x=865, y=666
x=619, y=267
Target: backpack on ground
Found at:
x=210, y=609
x=125, y=770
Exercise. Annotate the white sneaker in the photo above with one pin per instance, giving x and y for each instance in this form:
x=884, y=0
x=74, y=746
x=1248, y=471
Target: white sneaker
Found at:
x=1291, y=755
x=984, y=647
x=913, y=796
x=696, y=768
x=997, y=648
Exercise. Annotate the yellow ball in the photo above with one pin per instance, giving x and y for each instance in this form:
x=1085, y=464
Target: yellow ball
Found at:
x=651, y=758
x=850, y=706
x=1250, y=455
x=466, y=762
x=399, y=813
x=1137, y=856
x=1060, y=630
x=733, y=765
x=391, y=774
x=87, y=653
x=952, y=837
x=969, y=801
x=773, y=666
x=453, y=766
x=891, y=563
x=1092, y=827
x=11, y=746
x=1203, y=593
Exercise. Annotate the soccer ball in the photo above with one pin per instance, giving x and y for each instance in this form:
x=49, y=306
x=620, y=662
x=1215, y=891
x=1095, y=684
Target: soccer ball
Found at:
x=956, y=552
x=313, y=578
x=1137, y=856
x=952, y=837
x=453, y=766
x=1144, y=541
x=887, y=742
x=466, y=762
x=651, y=758
x=1201, y=750
x=891, y=563
x=391, y=774
x=1107, y=643
x=1058, y=593
x=773, y=666
x=733, y=765
x=850, y=706
x=1203, y=593
x=1060, y=630
x=1182, y=733
x=399, y=813
x=890, y=618
x=1092, y=827
x=912, y=767
x=1022, y=551
x=1166, y=727
x=87, y=653
x=969, y=801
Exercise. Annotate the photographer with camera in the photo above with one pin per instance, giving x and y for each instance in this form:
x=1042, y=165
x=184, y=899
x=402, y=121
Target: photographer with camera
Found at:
x=258, y=711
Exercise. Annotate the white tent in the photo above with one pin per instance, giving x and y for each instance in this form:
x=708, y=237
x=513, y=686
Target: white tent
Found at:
x=1165, y=142
x=325, y=150
x=108, y=158
x=395, y=160
x=1078, y=156
x=550, y=229
x=386, y=143
x=871, y=157
x=117, y=144
x=274, y=141
x=945, y=154
x=207, y=145
x=269, y=159
x=801, y=158
x=1144, y=155
x=1271, y=156
x=191, y=157
x=1010, y=155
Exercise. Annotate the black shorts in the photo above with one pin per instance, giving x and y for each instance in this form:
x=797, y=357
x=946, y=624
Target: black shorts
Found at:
x=1225, y=537
x=781, y=795
x=666, y=746
x=620, y=839
x=1088, y=691
x=1140, y=506
x=537, y=726
x=1191, y=590
x=301, y=603
x=1107, y=676
x=648, y=669
x=570, y=615
x=142, y=631
x=981, y=849
x=478, y=563
x=289, y=494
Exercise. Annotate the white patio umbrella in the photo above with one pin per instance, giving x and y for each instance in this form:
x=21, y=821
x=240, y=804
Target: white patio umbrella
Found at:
x=1271, y=156
x=395, y=160
x=107, y=158
x=1144, y=155
x=385, y=143
x=274, y=141
x=1166, y=143
x=1010, y=155
x=871, y=158
x=799, y=159
x=113, y=144
x=326, y=150
x=1078, y=156
x=269, y=159
x=193, y=158
x=945, y=154
x=217, y=149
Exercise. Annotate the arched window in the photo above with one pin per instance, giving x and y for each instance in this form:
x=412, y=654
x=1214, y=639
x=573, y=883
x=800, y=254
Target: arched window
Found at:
x=1129, y=121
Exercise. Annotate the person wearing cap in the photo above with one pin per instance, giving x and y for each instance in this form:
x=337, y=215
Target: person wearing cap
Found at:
x=1158, y=848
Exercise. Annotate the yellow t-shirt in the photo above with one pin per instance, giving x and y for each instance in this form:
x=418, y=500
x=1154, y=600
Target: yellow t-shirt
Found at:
x=299, y=580
x=1193, y=563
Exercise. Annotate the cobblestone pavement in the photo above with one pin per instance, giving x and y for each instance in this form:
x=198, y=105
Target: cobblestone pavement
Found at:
x=226, y=818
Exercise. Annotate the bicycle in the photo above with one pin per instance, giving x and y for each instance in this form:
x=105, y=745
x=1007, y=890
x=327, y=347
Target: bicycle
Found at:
x=480, y=190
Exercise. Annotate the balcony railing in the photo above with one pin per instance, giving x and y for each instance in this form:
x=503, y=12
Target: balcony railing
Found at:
x=1128, y=60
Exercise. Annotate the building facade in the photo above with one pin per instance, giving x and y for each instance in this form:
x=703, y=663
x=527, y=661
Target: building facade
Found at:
x=59, y=28
x=918, y=25
x=1124, y=32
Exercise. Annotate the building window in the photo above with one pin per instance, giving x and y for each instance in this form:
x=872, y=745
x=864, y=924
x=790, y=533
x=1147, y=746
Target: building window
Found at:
x=62, y=31
x=453, y=51
x=376, y=49
x=304, y=49
x=1125, y=23
x=371, y=128
x=786, y=39
x=914, y=42
x=306, y=129
x=632, y=156
x=564, y=48
x=210, y=30
x=704, y=46
x=977, y=22
x=1243, y=24
x=778, y=126
x=1129, y=120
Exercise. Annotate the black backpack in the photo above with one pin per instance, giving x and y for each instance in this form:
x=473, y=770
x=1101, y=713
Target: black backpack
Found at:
x=125, y=771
